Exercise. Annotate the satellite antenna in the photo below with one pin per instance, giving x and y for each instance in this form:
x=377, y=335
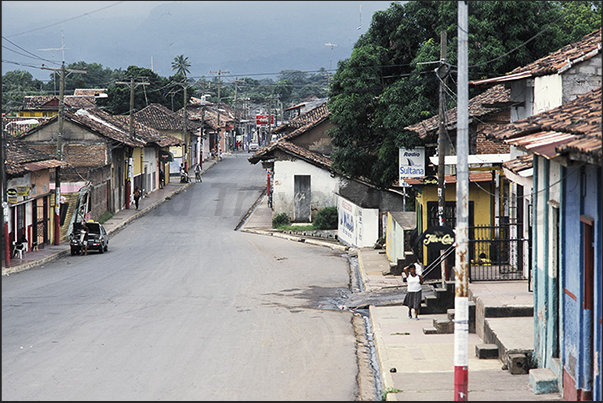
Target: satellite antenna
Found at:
x=332, y=45
x=62, y=48
x=360, y=12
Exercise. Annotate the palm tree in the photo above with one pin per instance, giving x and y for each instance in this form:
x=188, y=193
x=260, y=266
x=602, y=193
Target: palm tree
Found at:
x=181, y=65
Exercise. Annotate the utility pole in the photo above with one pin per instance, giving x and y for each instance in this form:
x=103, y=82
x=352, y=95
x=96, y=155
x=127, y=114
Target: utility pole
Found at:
x=461, y=292
x=442, y=74
x=219, y=72
x=60, y=156
x=5, y=244
x=132, y=85
x=187, y=145
x=235, y=110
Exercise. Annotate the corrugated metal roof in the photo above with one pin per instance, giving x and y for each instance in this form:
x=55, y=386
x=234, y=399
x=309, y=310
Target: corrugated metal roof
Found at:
x=543, y=143
x=40, y=165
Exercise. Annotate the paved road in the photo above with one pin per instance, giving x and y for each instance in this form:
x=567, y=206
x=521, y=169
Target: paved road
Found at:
x=183, y=307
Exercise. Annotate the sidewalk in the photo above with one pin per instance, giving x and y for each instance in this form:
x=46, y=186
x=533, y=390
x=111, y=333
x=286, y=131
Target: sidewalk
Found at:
x=415, y=366
x=122, y=218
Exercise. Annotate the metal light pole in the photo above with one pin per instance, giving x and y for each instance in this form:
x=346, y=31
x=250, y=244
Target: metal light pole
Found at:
x=461, y=294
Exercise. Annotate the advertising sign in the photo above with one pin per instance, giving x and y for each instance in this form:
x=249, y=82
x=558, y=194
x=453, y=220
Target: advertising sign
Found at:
x=263, y=119
x=411, y=162
x=438, y=237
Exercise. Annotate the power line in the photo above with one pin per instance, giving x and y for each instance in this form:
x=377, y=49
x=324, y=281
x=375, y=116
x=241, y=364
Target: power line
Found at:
x=69, y=19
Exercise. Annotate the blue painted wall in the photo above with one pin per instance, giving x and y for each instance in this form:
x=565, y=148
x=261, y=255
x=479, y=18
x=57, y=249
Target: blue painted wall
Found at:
x=579, y=336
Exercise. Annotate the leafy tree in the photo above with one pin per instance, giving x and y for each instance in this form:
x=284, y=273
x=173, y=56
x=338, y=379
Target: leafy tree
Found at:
x=96, y=77
x=118, y=100
x=181, y=65
x=16, y=85
x=389, y=82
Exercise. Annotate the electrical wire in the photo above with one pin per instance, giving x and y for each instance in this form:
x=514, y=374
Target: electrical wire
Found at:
x=68, y=19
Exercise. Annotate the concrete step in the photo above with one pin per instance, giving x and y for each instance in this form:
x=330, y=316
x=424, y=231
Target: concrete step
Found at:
x=450, y=314
x=543, y=381
x=486, y=351
x=513, y=337
x=508, y=311
x=443, y=326
x=430, y=330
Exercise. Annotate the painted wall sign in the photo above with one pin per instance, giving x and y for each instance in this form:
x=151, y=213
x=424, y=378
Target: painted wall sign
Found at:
x=438, y=237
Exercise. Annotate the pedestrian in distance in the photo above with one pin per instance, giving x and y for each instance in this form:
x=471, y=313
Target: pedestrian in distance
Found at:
x=198, y=173
x=414, y=290
x=161, y=179
x=83, y=239
x=137, y=194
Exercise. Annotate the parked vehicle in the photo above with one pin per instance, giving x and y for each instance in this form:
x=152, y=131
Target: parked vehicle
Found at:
x=97, y=238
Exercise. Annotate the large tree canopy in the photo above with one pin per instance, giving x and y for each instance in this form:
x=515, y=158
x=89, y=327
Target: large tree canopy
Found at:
x=389, y=81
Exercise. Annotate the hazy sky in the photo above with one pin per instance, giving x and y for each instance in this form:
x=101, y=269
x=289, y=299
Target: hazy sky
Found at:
x=245, y=38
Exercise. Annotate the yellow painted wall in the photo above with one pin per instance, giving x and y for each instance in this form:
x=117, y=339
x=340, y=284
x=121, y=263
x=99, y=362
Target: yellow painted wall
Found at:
x=482, y=203
x=137, y=161
x=37, y=114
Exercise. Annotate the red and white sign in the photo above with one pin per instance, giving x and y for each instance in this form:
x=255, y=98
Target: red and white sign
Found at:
x=263, y=119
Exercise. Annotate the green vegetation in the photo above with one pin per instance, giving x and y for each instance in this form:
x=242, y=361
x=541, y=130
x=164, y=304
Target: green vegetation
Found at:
x=326, y=218
x=389, y=390
x=389, y=83
x=281, y=220
x=105, y=217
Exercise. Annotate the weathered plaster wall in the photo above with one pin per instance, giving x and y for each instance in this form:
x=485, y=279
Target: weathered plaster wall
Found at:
x=323, y=186
x=581, y=78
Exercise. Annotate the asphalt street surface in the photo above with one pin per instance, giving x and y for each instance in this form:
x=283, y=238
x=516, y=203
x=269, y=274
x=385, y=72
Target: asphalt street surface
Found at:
x=183, y=307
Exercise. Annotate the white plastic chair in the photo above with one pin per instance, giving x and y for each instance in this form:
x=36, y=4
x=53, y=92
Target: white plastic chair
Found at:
x=19, y=249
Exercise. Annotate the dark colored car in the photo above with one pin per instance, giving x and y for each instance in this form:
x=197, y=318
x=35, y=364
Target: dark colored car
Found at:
x=97, y=237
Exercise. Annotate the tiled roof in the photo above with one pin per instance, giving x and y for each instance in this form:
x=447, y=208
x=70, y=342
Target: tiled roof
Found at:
x=210, y=115
x=520, y=163
x=314, y=115
x=497, y=95
x=159, y=117
x=51, y=102
x=14, y=126
x=22, y=157
x=290, y=148
x=97, y=121
x=572, y=127
x=149, y=134
x=93, y=92
x=556, y=62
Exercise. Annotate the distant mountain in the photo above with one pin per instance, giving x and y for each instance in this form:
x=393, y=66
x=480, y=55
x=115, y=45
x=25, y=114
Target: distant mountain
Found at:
x=244, y=37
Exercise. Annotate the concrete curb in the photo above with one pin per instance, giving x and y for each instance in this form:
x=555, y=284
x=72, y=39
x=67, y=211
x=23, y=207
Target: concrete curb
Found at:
x=294, y=238
x=381, y=353
x=27, y=266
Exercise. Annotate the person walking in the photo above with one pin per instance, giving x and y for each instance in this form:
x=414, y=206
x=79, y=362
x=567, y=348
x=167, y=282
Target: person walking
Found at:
x=198, y=173
x=414, y=290
x=161, y=179
x=83, y=239
x=137, y=196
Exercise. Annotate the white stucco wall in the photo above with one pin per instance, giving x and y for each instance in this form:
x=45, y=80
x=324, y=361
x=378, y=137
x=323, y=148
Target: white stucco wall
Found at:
x=548, y=93
x=358, y=227
x=150, y=166
x=323, y=186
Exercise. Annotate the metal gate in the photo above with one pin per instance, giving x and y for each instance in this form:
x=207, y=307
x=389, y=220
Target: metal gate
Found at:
x=498, y=253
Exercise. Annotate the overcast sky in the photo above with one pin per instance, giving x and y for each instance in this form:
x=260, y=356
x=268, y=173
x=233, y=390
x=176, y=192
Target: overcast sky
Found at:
x=245, y=38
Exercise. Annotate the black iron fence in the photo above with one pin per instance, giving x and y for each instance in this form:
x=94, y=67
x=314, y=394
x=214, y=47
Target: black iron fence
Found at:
x=498, y=253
